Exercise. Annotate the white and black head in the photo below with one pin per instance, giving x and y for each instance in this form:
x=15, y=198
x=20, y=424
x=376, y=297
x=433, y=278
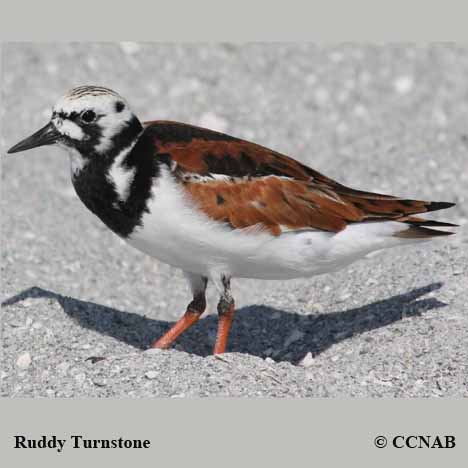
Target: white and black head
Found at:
x=94, y=121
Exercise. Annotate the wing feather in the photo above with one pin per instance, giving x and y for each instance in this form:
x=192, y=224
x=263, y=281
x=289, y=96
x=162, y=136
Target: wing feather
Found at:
x=244, y=184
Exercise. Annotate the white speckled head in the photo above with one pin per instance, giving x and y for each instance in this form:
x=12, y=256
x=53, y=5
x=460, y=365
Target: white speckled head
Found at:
x=91, y=123
x=91, y=114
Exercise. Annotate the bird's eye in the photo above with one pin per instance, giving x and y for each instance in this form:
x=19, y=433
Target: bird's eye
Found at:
x=88, y=116
x=119, y=106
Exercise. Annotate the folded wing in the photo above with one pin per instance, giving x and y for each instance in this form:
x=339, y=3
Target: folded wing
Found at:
x=244, y=184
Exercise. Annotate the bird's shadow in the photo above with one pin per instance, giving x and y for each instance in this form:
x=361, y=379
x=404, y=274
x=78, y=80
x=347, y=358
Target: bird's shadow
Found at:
x=257, y=330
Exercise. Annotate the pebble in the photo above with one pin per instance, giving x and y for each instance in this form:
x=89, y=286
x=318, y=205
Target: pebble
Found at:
x=100, y=382
x=307, y=360
x=403, y=84
x=30, y=301
x=24, y=361
x=344, y=297
x=15, y=323
x=151, y=375
x=385, y=383
x=315, y=306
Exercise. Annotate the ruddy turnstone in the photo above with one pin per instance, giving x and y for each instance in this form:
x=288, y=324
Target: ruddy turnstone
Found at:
x=217, y=206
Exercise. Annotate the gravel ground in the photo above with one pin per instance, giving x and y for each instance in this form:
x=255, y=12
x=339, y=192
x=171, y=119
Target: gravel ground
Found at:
x=391, y=119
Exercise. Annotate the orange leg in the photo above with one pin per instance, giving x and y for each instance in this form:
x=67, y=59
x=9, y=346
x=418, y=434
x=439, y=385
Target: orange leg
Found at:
x=193, y=313
x=224, y=325
x=225, y=314
x=189, y=318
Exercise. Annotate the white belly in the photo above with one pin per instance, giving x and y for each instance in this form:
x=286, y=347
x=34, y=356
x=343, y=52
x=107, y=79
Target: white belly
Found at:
x=176, y=233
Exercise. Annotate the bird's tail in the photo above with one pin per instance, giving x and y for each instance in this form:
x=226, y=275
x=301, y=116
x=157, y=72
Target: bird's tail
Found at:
x=420, y=228
x=378, y=207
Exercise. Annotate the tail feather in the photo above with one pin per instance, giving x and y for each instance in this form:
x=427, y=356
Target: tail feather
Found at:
x=434, y=206
x=379, y=207
x=416, y=221
x=418, y=228
x=420, y=232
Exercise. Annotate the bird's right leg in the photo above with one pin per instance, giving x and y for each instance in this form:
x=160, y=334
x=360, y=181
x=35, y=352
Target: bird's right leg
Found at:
x=192, y=314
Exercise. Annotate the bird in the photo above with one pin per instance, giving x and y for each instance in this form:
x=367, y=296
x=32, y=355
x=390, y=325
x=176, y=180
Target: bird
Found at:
x=216, y=206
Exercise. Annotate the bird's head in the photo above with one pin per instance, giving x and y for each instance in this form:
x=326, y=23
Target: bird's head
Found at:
x=92, y=120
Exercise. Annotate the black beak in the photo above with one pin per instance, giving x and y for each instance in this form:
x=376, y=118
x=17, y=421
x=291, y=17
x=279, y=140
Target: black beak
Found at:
x=45, y=136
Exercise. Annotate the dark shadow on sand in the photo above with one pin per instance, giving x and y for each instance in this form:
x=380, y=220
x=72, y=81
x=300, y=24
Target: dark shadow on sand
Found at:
x=257, y=330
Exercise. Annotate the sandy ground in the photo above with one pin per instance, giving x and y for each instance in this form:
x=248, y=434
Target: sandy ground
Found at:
x=391, y=119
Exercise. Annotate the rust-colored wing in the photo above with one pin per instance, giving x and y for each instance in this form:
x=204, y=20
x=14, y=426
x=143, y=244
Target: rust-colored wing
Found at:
x=245, y=184
x=280, y=204
x=202, y=151
x=273, y=203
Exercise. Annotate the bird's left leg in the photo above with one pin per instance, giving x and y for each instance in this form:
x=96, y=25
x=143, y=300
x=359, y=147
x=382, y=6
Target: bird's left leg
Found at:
x=225, y=313
x=193, y=313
